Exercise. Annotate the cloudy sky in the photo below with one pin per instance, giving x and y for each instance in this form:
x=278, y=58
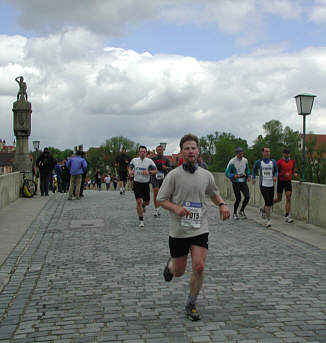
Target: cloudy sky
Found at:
x=154, y=70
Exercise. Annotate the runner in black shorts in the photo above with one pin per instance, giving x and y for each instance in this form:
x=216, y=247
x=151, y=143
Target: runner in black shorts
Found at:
x=181, y=246
x=141, y=190
x=183, y=193
x=268, y=195
x=141, y=168
x=267, y=179
x=163, y=167
x=286, y=170
x=122, y=161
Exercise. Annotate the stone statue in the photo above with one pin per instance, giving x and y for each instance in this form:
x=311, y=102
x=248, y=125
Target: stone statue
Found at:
x=22, y=93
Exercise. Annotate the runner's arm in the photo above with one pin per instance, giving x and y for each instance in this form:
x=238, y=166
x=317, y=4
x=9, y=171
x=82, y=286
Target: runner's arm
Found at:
x=224, y=211
x=178, y=210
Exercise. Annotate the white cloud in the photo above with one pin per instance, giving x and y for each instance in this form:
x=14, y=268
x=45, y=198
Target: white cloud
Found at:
x=88, y=92
x=112, y=18
x=287, y=9
x=318, y=13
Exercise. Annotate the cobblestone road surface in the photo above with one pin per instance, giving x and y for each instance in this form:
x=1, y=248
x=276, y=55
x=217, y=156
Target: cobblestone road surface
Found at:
x=84, y=272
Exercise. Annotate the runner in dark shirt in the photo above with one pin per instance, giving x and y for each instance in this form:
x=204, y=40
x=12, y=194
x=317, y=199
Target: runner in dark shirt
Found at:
x=122, y=163
x=163, y=166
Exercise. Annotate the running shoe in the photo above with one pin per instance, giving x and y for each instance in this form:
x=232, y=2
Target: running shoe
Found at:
x=192, y=313
x=168, y=276
x=235, y=216
x=141, y=224
x=268, y=224
x=262, y=213
x=288, y=219
x=242, y=215
x=155, y=212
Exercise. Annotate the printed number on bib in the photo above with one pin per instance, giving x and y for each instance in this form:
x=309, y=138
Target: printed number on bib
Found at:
x=267, y=173
x=193, y=218
x=159, y=176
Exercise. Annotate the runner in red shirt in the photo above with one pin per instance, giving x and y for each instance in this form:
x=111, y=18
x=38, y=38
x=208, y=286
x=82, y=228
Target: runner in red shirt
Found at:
x=286, y=170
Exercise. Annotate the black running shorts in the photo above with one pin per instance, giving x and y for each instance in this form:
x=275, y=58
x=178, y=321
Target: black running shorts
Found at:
x=268, y=195
x=141, y=190
x=181, y=246
x=123, y=175
x=156, y=183
x=284, y=185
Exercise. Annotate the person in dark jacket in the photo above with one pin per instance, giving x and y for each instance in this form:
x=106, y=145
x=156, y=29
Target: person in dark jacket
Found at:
x=65, y=177
x=45, y=163
x=83, y=176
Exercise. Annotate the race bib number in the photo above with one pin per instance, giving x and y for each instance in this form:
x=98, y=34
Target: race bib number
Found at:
x=267, y=173
x=194, y=217
x=159, y=176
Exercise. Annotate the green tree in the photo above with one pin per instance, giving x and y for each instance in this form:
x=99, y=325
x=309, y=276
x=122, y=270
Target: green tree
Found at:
x=218, y=148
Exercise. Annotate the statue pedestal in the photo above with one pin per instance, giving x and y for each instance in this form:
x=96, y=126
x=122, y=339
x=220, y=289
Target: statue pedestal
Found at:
x=22, y=110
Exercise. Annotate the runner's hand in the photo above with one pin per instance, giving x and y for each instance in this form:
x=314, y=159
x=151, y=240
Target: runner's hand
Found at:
x=181, y=211
x=224, y=212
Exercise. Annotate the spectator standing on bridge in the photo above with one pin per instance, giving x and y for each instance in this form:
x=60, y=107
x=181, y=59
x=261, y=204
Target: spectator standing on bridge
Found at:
x=57, y=171
x=82, y=185
x=183, y=193
x=77, y=166
x=286, y=170
x=267, y=179
x=45, y=163
x=115, y=182
x=107, y=181
x=238, y=172
x=65, y=177
x=98, y=178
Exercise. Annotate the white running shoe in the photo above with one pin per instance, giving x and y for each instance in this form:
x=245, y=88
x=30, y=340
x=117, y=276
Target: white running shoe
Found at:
x=155, y=212
x=268, y=223
x=141, y=224
x=288, y=219
x=235, y=216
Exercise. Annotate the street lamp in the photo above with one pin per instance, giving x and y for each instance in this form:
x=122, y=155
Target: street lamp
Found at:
x=304, y=106
x=163, y=145
x=36, y=145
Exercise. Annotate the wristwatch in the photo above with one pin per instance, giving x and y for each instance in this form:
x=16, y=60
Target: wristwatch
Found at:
x=221, y=204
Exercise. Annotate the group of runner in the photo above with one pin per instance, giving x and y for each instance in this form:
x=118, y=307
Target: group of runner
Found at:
x=270, y=173
x=183, y=192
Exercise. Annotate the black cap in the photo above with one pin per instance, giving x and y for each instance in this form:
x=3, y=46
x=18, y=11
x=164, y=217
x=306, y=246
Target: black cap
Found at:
x=46, y=150
x=238, y=150
x=286, y=151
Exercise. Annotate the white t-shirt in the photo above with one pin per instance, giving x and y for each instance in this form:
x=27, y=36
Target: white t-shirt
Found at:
x=107, y=179
x=138, y=166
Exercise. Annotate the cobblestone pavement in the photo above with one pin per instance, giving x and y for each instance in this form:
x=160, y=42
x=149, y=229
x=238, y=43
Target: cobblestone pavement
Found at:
x=84, y=272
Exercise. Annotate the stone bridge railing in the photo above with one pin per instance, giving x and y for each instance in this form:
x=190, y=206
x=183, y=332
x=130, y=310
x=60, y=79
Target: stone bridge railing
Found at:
x=9, y=188
x=308, y=199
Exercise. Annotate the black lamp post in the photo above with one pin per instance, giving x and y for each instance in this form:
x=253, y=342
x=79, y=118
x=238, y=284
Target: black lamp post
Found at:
x=304, y=106
x=36, y=145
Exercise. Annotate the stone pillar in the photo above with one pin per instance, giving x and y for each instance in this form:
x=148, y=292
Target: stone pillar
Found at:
x=22, y=110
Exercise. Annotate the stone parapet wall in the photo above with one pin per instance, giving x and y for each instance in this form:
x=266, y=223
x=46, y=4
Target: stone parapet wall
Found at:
x=308, y=199
x=9, y=188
